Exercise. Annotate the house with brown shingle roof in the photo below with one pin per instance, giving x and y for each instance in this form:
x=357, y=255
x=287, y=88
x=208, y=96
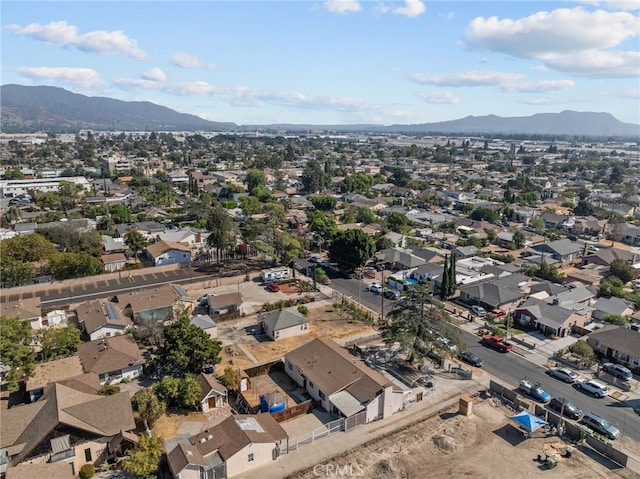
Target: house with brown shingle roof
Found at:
x=229, y=449
x=169, y=252
x=113, y=261
x=64, y=425
x=57, y=470
x=112, y=359
x=214, y=394
x=618, y=343
x=101, y=319
x=49, y=372
x=26, y=309
x=342, y=383
x=161, y=303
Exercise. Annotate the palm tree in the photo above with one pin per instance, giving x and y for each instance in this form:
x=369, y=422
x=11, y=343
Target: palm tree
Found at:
x=13, y=214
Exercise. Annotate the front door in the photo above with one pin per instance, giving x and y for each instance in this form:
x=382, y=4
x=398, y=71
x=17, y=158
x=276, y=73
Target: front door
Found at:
x=212, y=402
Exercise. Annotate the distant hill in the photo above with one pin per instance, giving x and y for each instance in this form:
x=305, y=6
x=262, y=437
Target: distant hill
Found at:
x=46, y=108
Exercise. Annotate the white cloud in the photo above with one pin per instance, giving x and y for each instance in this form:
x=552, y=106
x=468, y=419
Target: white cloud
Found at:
x=342, y=6
x=185, y=60
x=471, y=78
x=99, y=41
x=155, y=74
x=411, y=9
x=563, y=39
x=613, y=4
x=440, y=98
x=539, y=86
x=82, y=77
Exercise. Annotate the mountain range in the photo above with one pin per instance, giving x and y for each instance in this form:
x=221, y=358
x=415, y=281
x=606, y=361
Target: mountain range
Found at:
x=47, y=108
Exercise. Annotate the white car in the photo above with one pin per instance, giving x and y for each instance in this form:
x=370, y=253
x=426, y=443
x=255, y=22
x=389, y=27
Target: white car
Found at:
x=375, y=288
x=593, y=387
x=564, y=374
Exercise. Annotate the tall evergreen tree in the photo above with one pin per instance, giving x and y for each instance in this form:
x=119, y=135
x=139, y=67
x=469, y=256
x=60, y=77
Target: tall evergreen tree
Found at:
x=444, y=286
x=452, y=277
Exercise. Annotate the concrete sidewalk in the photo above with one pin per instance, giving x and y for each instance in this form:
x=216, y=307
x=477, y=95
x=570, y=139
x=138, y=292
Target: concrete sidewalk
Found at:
x=322, y=451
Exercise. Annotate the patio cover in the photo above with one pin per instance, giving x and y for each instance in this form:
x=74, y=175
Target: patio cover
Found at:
x=346, y=403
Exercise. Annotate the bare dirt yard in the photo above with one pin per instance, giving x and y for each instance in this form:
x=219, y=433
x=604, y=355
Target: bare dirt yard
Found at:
x=324, y=321
x=449, y=445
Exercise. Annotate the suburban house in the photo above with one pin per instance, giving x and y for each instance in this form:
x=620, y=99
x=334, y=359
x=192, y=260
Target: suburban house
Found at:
x=214, y=394
x=605, y=256
x=283, y=323
x=342, y=384
x=549, y=317
x=169, y=252
x=66, y=425
x=619, y=343
x=112, y=359
x=113, y=245
x=204, y=322
x=101, y=319
x=27, y=309
x=157, y=304
x=148, y=229
x=399, y=259
x=562, y=250
x=113, y=261
x=230, y=448
x=224, y=303
x=603, y=307
x=57, y=371
x=502, y=293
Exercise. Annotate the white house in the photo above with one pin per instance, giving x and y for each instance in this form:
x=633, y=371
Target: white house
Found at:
x=214, y=394
x=101, y=319
x=284, y=323
x=168, y=252
x=112, y=359
x=274, y=274
x=341, y=383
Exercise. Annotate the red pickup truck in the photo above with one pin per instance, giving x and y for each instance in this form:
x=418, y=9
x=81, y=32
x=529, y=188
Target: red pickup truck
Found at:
x=497, y=343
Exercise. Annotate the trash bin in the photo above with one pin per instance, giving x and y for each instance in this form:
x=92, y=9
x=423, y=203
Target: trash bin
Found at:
x=552, y=460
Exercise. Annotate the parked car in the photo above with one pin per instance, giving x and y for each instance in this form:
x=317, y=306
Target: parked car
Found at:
x=565, y=408
x=478, y=311
x=372, y=285
x=600, y=425
x=534, y=390
x=564, y=374
x=471, y=358
x=496, y=313
x=618, y=371
x=497, y=343
x=593, y=387
x=447, y=343
x=375, y=288
x=391, y=294
x=314, y=259
x=273, y=287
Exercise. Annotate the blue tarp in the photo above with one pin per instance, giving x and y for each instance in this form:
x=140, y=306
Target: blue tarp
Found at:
x=529, y=421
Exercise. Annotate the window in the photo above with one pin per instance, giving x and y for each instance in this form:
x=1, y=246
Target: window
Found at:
x=322, y=396
x=87, y=455
x=290, y=366
x=310, y=385
x=250, y=457
x=107, y=335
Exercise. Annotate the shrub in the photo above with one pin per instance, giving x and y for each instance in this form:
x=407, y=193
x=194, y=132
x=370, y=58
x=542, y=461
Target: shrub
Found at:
x=303, y=310
x=87, y=471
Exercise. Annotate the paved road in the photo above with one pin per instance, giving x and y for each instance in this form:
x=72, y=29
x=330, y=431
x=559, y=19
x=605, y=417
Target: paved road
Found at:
x=96, y=287
x=511, y=367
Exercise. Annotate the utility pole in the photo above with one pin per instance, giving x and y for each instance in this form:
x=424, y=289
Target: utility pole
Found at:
x=382, y=297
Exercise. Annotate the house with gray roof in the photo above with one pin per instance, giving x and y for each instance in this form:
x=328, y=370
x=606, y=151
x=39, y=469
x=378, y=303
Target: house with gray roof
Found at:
x=617, y=343
x=204, y=322
x=284, y=323
x=399, y=258
x=102, y=319
x=161, y=303
x=603, y=307
x=548, y=317
x=502, y=293
x=112, y=359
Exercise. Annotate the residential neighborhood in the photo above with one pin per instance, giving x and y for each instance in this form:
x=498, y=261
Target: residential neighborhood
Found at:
x=214, y=305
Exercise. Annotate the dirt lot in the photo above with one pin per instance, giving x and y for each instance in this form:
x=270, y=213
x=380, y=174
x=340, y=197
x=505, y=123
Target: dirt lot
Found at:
x=449, y=445
x=324, y=322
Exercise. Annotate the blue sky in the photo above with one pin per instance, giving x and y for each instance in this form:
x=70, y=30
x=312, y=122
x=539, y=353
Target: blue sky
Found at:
x=336, y=61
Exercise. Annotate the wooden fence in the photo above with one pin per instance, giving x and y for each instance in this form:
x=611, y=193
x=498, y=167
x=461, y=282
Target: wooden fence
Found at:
x=294, y=411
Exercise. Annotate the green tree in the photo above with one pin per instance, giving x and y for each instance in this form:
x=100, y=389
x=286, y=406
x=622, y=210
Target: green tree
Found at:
x=135, y=241
x=584, y=350
x=452, y=285
x=177, y=392
x=15, y=272
x=519, y=239
x=584, y=208
x=59, y=342
x=74, y=265
x=446, y=277
x=484, y=213
x=352, y=248
x=324, y=203
x=27, y=248
x=398, y=222
x=230, y=379
x=68, y=193
x=366, y=216
x=617, y=319
x=148, y=406
x=545, y=271
x=143, y=460
x=187, y=347
x=17, y=353
x=109, y=390
x=255, y=178
x=87, y=471
x=313, y=177
x=250, y=205
x=220, y=227
x=623, y=270
x=537, y=224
